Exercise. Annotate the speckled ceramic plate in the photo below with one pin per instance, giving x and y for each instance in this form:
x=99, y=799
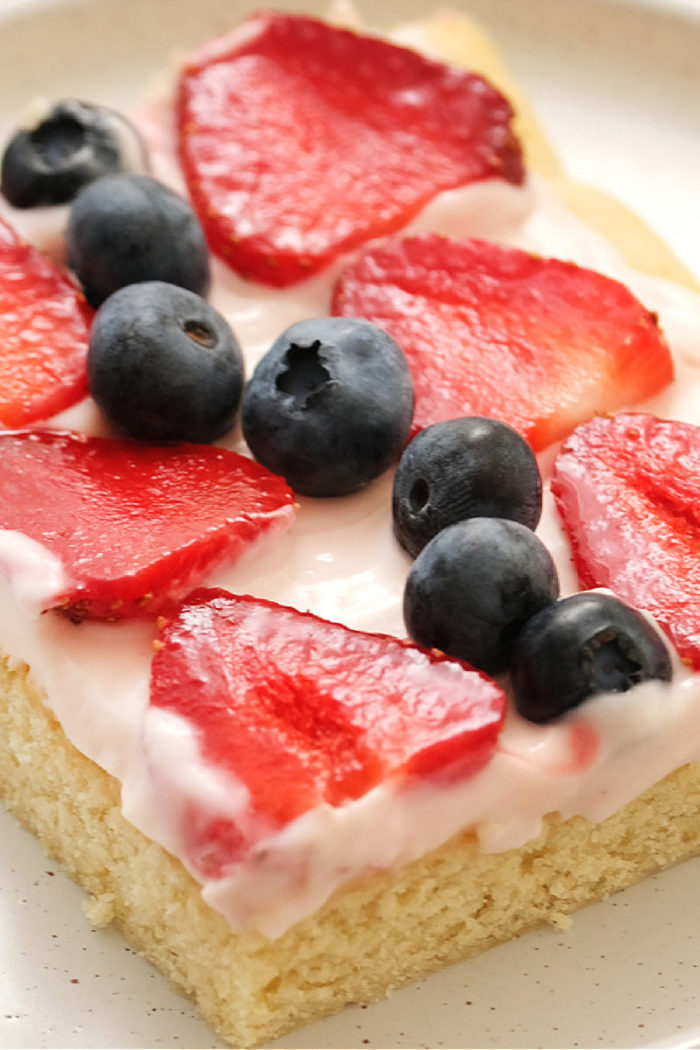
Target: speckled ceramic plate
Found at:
x=616, y=85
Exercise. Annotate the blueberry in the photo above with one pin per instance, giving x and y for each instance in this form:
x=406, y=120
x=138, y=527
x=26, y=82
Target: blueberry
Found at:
x=464, y=468
x=329, y=406
x=587, y=644
x=473, y=587
x=127, y=228
x=163, y=365
x=69, y=146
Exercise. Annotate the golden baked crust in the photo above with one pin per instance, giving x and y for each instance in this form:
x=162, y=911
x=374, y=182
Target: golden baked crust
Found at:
x=386, y=929
x=373, y=936
x=463, y=42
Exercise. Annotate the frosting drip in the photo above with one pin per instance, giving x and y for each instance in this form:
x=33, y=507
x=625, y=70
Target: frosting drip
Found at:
x=340, y=560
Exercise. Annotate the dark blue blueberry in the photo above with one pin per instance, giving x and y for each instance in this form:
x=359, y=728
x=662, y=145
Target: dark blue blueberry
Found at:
x=70, y=146
x=330, y=405
x=164, y=366
x=128, y=228
x=464, y=468
x=587, y=644
x=473, y=587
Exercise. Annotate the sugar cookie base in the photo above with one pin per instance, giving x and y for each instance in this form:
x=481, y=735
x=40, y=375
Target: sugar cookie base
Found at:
x=386, y=929
x=371, y=937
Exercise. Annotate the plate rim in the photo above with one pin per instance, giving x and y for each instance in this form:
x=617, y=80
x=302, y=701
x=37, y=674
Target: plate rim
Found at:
x=680, y=10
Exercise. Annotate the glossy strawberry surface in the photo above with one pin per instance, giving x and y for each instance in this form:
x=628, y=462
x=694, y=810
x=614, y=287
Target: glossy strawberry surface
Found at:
x=306, y=712
x=44, y=325
x=299, y=141
x=135, y=526
x=494, y=331
x=628, y=491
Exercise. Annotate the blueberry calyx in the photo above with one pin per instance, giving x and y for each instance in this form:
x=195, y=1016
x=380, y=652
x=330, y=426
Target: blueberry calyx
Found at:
x=127, y=228
x=164, y=366
x=329, y=407
x=584, y=645
x=463, y=468
x=474, y=586
x=68, y=147
x=303, y=376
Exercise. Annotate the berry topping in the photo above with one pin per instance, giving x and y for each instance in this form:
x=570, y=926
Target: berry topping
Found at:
x=163, y=365
x=474, y=586
x=69, y=146
x=329, y=406
x=464, y=468
x=134, y=526
x=628, y=491
x=126, y=228
x=300, y=141
x=304, y=712
x=579, y=647
x=491, y=330
x=44, y=325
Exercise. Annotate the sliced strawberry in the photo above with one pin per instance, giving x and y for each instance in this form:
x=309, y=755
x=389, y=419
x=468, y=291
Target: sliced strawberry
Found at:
x=300, y=141
x=493, y=331
x=135, y=526
x=305, y=712
x=44, y=325
x=628, y=491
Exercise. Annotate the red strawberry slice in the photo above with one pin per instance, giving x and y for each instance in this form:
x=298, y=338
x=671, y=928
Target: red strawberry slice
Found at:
x=628, y=491
x=491, y=330
x=300, y=141
x=304, y=712
x=135, y=526
x=44, y=324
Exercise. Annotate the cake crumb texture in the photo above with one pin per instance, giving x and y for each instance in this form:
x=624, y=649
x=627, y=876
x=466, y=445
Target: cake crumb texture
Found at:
x=100, y=910
x=377, y=934
x=386, y=929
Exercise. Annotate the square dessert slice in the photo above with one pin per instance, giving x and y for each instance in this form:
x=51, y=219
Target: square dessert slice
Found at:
x=459, y=858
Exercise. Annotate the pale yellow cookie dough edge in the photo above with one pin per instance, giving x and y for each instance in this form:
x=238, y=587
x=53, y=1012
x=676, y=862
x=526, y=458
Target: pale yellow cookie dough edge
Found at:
x=389, y=928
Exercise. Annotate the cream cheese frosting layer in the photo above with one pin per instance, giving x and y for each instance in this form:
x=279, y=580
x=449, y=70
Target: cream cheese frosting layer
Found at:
x=340, y=560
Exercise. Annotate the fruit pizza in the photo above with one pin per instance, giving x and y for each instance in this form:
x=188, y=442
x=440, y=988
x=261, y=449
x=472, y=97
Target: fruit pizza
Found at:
x=347, y=531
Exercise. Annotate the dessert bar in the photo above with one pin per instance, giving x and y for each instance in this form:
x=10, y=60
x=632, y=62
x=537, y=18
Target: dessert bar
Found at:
x=212, y=715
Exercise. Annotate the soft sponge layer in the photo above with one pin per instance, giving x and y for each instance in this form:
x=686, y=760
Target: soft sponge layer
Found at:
x=377, y=934
x=388, y=928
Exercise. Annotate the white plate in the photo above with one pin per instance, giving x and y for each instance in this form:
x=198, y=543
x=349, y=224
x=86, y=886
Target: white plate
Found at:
x=616, y=85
